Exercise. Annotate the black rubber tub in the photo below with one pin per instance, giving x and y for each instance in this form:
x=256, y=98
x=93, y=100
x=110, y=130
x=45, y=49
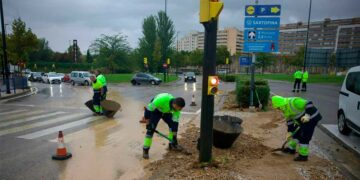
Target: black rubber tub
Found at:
x=226, y=130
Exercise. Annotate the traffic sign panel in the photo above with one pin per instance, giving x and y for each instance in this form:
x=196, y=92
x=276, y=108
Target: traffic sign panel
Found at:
x=245, y=61
x=262, y=10
x=270, y=22
x=261, y=47
x=261, y=35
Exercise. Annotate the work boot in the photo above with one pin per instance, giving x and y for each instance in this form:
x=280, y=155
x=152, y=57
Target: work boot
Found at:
x=146, y=153
x=288, y=151
x=301, y=158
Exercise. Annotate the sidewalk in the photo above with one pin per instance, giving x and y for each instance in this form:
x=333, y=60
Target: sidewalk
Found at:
x=18, y=93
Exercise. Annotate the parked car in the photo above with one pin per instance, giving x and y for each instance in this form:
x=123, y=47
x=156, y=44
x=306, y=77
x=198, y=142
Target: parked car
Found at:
x=66, y=78
x=36, y=76
x=349, y=103
x=51, y=78
x=143, y=78
x=62, y=75
x=80, y=77
x=189, y=76
x=222, y=71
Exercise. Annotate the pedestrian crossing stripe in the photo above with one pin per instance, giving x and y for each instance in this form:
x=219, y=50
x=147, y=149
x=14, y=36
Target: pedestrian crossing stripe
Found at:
x=60, y=128
x=19, y=115
x=39, y=124
x=12, y=112
x=33, y=118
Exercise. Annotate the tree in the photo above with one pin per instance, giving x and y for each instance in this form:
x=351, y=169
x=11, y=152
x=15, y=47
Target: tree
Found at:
x=148, y=41
x=221, y=54
x=43, y=52
x=89, y=58
x=22, y=42
x=264, y=60
x=112, y=52
x=165, y=34
x=298, y=59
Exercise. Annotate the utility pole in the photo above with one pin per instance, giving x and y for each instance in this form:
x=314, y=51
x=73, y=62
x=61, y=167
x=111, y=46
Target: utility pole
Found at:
x=4, y=49
x=307, y=36
x=209, y=13
x=75, y=49
x=252, y=79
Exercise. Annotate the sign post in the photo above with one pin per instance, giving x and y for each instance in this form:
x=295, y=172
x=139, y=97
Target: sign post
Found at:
x=261, y=34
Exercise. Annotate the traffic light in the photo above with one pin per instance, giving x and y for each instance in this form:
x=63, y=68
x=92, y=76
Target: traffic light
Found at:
x=213, y=83
x=210, y=10
x=145, y=60
x=168, y=61
x=227, y=61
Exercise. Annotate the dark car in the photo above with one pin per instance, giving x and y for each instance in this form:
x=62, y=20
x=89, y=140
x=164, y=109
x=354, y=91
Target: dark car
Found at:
x=36, y=76
x=143, y=78
x=189, y=76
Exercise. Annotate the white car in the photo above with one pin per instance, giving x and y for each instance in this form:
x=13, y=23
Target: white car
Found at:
x=349, y=103
x=51, y=78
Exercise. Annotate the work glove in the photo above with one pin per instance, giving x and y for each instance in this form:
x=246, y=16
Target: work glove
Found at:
x=305, y=118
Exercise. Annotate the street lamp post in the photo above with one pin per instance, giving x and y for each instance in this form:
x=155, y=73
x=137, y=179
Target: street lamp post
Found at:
x=4, y=49
x=307, y=36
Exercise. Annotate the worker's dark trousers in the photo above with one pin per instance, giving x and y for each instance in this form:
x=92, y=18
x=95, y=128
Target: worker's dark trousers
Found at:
x=96, y=98
x=103, y=96
x=306, y=131
x=155, y=117
x=303, y=86
x=297, y=83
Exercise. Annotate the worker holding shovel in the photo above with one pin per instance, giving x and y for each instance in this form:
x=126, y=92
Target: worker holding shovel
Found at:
x=97, y=87
x=167, y=107
x=302, y=117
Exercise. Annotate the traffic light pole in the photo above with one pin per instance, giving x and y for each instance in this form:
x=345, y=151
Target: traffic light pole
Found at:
x=207, y=102
x=4, y=49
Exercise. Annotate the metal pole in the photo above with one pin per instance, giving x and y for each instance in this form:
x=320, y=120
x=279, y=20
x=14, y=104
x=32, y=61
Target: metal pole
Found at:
x=207, y=102
x=307, y=37
x=252, y=83
x=165, y=6
x=4, y=49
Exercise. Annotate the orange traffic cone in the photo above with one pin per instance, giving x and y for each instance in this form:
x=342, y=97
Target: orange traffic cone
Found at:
x=61, y=153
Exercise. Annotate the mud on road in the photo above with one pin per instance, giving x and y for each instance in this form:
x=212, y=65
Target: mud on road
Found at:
x=250, y=157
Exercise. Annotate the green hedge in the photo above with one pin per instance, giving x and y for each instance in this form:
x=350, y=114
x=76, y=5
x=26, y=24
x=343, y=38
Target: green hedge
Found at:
x=228, y=78
x=243, y=93
x=60, y=67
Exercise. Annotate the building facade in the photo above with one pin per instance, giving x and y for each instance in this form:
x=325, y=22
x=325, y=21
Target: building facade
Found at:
x=327, y=34
x=232, y=38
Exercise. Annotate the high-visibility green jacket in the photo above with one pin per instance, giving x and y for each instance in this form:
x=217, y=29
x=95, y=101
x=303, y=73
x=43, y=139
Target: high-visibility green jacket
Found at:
x=305, y=76
x=102, y=79
x=293, y=108
x=163, y=103
x=97, y=85
x=298, y=75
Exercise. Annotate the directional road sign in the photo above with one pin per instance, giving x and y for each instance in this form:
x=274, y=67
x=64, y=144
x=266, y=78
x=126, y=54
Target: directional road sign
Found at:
x=261, y=46
x=245, y=61
x=268, y=22
x=262, y=10
x=261, y=35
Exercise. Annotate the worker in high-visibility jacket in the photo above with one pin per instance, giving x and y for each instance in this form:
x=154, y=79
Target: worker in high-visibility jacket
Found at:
x=302, y=117
x=100, y=77
x=297, y=77
x=97, y=88
x=163, y=106
x=304, y=80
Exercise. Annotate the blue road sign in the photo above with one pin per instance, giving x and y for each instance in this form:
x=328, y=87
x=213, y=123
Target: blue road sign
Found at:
x=261, y=35
x=262, y=10
x=245, y=61
x=269, y=22
x=261, y=47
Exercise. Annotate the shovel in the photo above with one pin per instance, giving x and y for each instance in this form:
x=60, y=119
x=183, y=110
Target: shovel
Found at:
x=283, y=145
x=179, y=149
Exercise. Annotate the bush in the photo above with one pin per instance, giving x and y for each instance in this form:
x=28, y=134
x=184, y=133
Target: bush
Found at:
x=227, y=78
x=243, y=93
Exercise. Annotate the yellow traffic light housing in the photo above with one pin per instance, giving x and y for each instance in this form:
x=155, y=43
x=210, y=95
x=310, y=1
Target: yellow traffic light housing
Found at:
x=168, y=61
x=213, y=83
x=210, y=10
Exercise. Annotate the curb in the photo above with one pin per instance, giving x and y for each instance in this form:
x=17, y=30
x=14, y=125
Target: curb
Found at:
x=339, y=141
x=28, y=92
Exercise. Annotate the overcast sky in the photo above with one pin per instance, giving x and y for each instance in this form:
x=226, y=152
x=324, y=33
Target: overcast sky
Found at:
x=60, y=21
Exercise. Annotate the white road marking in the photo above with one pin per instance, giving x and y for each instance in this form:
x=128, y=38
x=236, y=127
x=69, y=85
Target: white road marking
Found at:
x=18, y=115
x=29, y=119
x=39, y=124
x=12, y=112
x=59, y=128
